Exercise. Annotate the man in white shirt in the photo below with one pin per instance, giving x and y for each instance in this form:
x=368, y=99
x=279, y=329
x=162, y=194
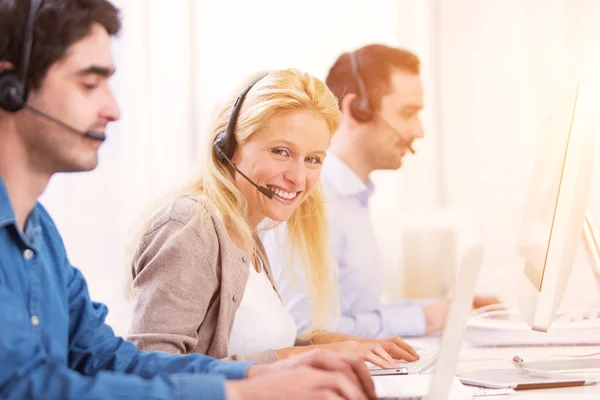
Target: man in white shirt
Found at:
x=380, y=95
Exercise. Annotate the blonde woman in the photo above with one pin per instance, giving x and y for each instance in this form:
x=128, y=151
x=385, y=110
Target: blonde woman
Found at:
x=201, y=279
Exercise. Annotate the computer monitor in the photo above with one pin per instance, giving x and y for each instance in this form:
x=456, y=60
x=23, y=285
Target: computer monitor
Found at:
x=555, y=213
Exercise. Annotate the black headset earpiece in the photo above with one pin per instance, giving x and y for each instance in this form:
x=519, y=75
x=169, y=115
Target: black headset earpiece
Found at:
x=13, y=84
x=222, y=147
x=12, y=91
x=225, y=142
x=360, y=107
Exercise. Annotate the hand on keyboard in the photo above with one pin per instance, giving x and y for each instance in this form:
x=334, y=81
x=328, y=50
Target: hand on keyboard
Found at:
x=396, y=347
x=428, y=356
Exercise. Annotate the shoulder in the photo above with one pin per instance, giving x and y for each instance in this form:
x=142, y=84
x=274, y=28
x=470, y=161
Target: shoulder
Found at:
x=191, y=214
x=45, y=219
x=182, y=235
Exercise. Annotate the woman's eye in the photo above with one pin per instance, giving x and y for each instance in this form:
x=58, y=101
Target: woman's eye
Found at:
x=314, y=160
x=281, y=152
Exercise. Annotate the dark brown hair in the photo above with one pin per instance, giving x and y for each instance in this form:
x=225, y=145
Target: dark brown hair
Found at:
x=375, y=64
x=60, y=24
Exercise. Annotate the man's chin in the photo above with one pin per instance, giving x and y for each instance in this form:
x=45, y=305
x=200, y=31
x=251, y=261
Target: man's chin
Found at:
x=392, y=165
x=79, y=166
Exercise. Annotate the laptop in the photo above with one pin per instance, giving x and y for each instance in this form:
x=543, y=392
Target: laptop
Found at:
x=442, y=384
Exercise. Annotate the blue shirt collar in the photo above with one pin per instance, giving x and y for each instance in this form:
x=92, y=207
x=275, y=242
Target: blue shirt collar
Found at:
x=7, y=214
x=33, y=228
x=344, y=180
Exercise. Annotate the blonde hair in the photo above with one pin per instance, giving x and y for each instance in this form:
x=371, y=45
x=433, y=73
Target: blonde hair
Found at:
x=276, y=93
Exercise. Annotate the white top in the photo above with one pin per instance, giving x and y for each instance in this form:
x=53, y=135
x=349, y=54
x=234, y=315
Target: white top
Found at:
x=261, y=321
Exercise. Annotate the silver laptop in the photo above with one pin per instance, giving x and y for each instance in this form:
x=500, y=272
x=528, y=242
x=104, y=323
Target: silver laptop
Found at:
x=442, y=384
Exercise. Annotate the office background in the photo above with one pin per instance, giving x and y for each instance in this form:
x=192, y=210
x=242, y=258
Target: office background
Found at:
x=491, y=68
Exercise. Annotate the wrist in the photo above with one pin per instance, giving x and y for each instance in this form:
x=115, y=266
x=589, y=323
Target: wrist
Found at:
x=288, y=352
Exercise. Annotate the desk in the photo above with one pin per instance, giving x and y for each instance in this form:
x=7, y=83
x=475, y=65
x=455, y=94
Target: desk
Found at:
x=472, y=358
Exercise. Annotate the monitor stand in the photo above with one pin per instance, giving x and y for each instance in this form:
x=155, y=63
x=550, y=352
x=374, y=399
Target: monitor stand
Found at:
x=583, y=363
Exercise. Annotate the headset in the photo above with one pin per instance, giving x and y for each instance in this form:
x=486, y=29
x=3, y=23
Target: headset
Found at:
x=13, y=84
x=225, y=143
x=360, y=108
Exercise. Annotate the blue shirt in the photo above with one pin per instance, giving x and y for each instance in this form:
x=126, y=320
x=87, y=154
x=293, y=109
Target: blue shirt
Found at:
x=360, y=279
x=54, y=343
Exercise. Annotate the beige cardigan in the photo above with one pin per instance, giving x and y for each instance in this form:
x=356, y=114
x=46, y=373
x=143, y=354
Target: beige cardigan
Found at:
x=189, y=279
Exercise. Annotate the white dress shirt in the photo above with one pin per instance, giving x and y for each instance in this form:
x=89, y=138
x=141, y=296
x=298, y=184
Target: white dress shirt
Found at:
x=360, y=280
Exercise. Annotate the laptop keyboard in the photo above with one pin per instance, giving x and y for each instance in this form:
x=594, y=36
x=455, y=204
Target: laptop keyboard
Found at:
x=427, y=358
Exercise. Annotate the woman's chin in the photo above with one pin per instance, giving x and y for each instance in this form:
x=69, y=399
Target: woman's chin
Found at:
x=279, y=215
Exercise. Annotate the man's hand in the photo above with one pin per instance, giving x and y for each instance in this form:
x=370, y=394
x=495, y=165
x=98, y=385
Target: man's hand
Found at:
x=435, y=315
x=313, y=375
x=482, y=301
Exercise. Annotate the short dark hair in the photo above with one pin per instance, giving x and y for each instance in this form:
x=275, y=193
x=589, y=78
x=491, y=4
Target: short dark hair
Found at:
x=375, y=64
x=60, y=24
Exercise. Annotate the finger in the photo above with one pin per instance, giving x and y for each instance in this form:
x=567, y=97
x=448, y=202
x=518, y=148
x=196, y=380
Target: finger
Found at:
x=339, y=384
x=325, y=395
x=398, y=353
x=332, y=362
x=405, y=346
x=376, y=359
x=379, y=350
x=362, y=373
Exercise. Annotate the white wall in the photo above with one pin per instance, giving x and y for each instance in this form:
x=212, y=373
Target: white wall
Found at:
x=490, y=68
x=503, y=66
x=175, y=59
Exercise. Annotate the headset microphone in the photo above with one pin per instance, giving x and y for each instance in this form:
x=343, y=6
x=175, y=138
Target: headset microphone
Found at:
x=360, y=107
x=225, y=142
x=14, y=86
x=406, y=142
x=89, y=134
x=267, y=192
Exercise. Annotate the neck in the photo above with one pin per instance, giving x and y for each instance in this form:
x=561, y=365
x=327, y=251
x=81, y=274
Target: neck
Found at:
x=347, y=147
x=23, y=184
x=254, y=219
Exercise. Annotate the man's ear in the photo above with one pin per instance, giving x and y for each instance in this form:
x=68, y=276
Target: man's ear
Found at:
x=346, y=105
x=5, y=66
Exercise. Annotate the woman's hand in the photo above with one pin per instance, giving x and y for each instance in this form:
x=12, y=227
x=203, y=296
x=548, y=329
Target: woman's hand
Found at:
x=371, y=352
x=394, y=346
x=367, y=351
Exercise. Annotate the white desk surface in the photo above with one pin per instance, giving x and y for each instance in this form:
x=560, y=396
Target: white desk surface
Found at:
x=493, y=358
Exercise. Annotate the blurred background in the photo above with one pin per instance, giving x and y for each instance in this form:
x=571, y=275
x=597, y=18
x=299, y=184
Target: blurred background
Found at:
x=492, y=71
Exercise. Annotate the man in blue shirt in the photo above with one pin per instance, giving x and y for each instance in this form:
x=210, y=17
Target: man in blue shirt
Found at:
x=55, y=103
x=380, y=95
